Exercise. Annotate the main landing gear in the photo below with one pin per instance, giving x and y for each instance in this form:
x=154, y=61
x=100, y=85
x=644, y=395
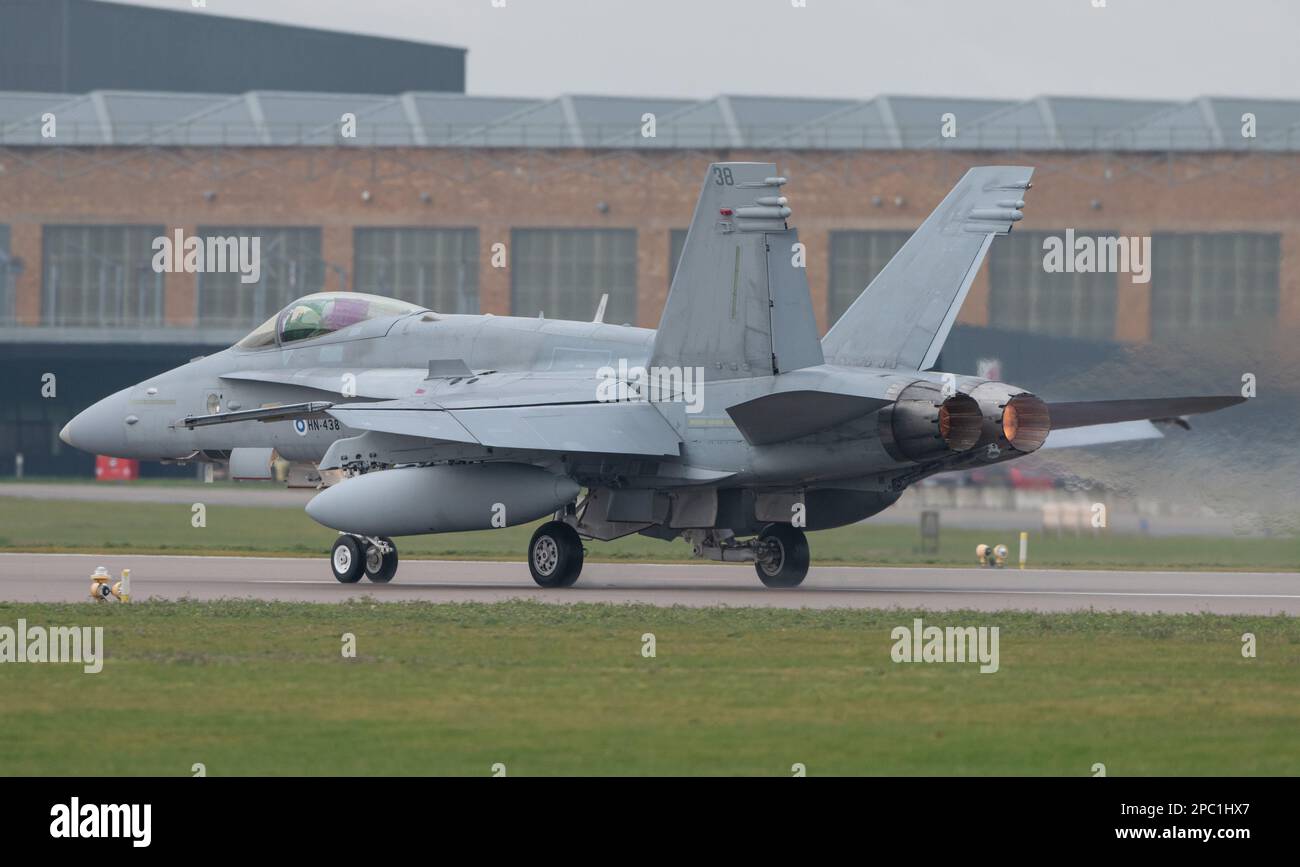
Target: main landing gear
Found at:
x=781, y=556
x=779, y=552
x=372, y=556
x=555, y=555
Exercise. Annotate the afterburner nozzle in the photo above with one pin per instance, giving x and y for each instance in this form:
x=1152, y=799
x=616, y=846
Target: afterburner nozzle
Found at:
x=1026, y=423
x=923, y=423
x=1013, y=418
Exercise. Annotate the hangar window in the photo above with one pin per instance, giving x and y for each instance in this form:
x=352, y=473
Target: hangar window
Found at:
x=856, y=258
x=100, y=276
x=1203, y=280
x=437, y=268
x=563, y=273
x=289, y=265
x=1023, y=296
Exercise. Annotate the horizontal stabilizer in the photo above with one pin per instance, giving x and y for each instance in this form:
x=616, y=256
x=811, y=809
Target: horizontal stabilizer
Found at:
x=1090, y=412
x=787, y=415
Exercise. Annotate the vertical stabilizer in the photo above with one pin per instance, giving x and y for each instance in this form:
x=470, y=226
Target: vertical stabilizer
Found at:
x=739, y=303
x=902, y=319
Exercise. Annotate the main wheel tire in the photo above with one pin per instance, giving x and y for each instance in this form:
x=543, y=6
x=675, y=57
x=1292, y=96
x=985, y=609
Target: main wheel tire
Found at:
x=555, y=555
x=380, y=567
x=783, y=556
x=346, y=560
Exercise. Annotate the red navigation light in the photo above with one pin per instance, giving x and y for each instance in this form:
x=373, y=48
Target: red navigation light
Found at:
x=726, y=212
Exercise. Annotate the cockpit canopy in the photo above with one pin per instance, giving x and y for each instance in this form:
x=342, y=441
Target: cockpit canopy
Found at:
x=323, y=313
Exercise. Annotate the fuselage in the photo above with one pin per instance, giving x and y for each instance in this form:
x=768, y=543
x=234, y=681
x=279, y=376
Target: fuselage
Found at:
x=515, y=361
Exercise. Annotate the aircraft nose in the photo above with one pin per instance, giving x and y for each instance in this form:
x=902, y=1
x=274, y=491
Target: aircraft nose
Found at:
x=101, y=428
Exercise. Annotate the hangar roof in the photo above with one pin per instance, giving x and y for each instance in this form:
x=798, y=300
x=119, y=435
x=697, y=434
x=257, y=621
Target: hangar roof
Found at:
x=275, y=118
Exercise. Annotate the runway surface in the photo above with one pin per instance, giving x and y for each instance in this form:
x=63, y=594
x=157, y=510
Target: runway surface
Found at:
x=65, y=578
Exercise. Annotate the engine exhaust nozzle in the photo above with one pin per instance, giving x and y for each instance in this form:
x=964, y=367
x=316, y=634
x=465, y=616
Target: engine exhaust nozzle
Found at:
x=1026, y=423
x=1013, y=417
x=924, y=424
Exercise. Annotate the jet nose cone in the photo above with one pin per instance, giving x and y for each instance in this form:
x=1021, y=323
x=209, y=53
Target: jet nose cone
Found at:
x=74, y=432
x=100, y=429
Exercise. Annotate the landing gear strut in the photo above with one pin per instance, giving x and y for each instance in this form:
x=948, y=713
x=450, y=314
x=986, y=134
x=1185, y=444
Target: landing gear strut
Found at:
x=781, y=558
x=354, y=556
x=555, y=555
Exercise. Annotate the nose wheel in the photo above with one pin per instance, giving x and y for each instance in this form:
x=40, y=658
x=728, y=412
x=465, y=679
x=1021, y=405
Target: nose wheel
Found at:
x=381, y=565
x=355, y=556
x=346, y=561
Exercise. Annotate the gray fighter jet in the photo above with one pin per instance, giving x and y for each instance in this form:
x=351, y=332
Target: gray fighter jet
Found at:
x=731, y=426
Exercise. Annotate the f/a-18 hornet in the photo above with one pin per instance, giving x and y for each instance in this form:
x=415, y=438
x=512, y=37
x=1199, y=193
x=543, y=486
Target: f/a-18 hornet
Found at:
x=731, y=425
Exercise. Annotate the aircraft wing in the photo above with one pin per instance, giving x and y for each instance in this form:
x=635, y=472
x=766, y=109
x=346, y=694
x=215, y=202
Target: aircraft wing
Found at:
x=1097, y=412
x=615, y=428
x=1097, y=422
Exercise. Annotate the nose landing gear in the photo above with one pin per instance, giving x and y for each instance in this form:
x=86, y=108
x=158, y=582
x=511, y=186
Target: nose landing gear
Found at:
x=346, y=561
x=372, y=556
x=381, y=560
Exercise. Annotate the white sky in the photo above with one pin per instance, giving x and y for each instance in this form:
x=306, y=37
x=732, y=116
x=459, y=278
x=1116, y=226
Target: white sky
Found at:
x=1170, y=49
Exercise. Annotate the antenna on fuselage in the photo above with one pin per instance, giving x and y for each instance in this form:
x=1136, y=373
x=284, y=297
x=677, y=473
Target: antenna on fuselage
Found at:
x=600, y=308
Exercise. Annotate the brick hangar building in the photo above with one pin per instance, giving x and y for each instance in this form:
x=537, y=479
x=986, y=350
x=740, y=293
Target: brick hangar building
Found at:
x=587, y=201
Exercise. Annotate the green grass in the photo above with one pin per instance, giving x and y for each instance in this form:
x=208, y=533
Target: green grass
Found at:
x=146, y=482
x=65, y=525
x=261, y=688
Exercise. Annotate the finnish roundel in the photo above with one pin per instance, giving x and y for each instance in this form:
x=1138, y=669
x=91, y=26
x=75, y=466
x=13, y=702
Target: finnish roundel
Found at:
x=300, y=426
